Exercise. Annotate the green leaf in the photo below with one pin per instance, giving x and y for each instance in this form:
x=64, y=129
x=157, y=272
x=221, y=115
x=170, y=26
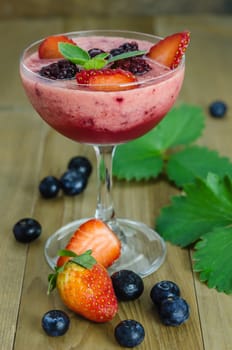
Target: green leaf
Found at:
x=138, y=159
x=181, y=126
x=142, y=158
x=85, y=260
x=126, y=55
x=212, y=259
x=195, y=161
x=81, y=57
x=73, y=53
x=96, y=62
x=206, y=204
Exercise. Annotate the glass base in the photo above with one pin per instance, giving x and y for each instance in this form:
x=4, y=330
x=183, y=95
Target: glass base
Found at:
x=143, y=250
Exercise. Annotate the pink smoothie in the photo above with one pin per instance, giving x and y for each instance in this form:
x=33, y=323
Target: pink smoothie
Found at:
x=98, y=117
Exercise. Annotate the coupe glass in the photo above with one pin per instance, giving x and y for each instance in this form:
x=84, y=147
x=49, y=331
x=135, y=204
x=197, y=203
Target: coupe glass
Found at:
x=103, y=120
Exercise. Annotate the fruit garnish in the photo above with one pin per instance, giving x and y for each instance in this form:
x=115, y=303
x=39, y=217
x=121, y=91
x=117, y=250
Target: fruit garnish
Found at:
x=85, y=287
x=107, y=79
x=163, y=290
x=73, y=182
x=55, y=323
x=62, y=69
x=81, y=57
x=129, y=333
x=27, y=230
x=49, y=187
x=49, y=46
x=218, y=109
x=80, y=164
x=135, y=65
x=170, y=50
x=94, y=234
x=127, y=284
x=173, y=311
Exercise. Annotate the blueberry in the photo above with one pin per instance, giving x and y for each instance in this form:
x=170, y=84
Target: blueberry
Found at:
x=127, y=285
x=55, y=323
x=218, y=109
x=163, y=290
x=49, y=187
x=27, y=230
x=73, y=182
x=80, y=164
x=174, y=311
x=129, y=333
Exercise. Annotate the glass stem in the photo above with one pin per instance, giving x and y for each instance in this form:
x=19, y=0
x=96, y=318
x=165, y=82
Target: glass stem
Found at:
x=105, y=208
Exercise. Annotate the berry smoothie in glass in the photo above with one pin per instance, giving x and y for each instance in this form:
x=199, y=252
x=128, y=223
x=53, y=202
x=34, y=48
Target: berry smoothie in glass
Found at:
x=104, y=88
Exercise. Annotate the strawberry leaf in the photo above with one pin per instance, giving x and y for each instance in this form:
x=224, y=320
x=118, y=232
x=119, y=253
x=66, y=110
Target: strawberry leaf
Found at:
x=207, y=204
x=195, y=161
x=144, y=157
x=138, y=159
x=181, y=126
x=85, y=260
x=212, y=259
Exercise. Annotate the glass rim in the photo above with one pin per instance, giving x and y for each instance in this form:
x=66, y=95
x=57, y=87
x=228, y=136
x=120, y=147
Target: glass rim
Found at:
x=100, y=32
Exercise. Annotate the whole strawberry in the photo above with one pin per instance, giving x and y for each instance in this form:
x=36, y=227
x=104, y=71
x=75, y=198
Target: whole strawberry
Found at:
x=85, y=287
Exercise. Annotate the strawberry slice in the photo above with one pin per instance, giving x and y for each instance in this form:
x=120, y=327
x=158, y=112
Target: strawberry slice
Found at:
x=94, y=234
x=49, y=46
x=171, y=49
x=107, y=79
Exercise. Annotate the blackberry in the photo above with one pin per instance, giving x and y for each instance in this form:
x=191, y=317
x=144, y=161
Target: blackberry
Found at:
x=94, y=52
x=126, y=47
x=62, y=69
x=135, y=65
x=132, y=46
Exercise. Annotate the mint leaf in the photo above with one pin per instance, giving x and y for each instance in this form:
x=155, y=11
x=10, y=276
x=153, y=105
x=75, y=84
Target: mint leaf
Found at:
x=73, y=53
x=126, y=55
x=81, y=57
x=195, y=161
x=96, y=62
x=212, y=259
x=138, y=159
x=206, y=204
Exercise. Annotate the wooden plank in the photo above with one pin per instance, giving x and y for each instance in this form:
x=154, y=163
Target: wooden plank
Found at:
x=18, y=172
x=208, y=78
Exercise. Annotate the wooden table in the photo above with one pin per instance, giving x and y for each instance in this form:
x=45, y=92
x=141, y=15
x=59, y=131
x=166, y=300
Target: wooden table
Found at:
x=30, y=150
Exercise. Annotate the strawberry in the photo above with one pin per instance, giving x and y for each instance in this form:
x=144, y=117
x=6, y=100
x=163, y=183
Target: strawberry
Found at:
x=94, y=234
x=85, y=287
x=49, y=46
x=106, y=79
x=170, y=50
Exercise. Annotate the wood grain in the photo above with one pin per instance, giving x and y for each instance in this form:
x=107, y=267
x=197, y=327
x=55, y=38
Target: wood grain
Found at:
x=30, y=150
